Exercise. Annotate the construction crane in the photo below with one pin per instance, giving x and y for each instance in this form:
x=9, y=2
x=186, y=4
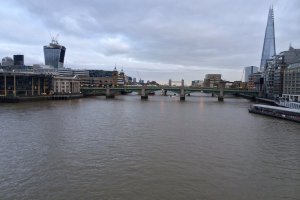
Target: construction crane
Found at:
x=243, y=74
x=139, y=77
x=54, y=38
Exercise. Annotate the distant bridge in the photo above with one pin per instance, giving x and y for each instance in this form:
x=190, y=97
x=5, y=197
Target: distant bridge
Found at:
x=181, y=90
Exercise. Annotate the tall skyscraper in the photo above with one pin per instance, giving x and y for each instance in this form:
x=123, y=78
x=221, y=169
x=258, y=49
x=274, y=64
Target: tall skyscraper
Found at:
x=249, y=71
x=269, y=41
x=54, y=54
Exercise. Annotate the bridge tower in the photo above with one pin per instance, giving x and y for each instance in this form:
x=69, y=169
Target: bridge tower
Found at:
x=115, y=77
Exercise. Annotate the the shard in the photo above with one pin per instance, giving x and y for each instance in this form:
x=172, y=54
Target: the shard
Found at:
x=269, y=41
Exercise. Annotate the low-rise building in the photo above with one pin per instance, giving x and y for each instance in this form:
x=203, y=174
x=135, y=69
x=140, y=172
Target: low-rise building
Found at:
x=212, y=80
x=255, y=81
x=197, y=83
x=66, y=85
x=24, y=83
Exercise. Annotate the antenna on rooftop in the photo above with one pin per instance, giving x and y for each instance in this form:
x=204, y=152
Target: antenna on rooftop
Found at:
x=54, y=38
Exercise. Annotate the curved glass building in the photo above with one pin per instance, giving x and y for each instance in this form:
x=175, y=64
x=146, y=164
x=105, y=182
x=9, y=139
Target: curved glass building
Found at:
x=54, y=54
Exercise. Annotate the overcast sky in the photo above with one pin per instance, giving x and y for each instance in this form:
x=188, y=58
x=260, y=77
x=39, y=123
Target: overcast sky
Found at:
x=159, y=39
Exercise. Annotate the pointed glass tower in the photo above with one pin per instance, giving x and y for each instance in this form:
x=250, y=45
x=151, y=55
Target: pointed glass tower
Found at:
x=269, y=41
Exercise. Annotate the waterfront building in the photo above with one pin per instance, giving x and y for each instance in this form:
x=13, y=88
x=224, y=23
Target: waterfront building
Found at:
x=54, y=54
x=18, y=59
x=7, y=61
x=66, y=85
x=269, y=49
x=291, y=86
x=274, y=73
x=115, y=75
x=255, y=81
x=99, y=78
x=237, y=85
x=197, y=83
x=121, y=78
x=20, y=84
x=291, y=56
x=248, y=71
x=212, y=80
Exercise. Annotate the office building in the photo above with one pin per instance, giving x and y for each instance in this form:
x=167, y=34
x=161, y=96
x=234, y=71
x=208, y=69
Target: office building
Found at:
x=291, y=86
x=7, y=61
x=18, y=59
x=249, y=71
x=197, y=83
x=275, y=69
x=54, y=54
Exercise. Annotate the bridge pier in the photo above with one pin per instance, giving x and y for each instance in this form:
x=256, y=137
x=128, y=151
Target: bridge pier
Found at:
x=108, y=94
x=220, y=99
x=182, y=94
x=144, y=96
x=221, y=87
x=165, y=92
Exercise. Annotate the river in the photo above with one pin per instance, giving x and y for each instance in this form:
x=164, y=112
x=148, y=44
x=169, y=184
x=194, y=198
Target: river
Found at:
x=125, y=148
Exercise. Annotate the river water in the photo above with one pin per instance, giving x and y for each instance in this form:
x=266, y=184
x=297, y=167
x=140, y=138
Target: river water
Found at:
x=125, y=148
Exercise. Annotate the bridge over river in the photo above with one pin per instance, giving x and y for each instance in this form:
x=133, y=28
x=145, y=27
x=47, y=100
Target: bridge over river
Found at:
x=183, y=91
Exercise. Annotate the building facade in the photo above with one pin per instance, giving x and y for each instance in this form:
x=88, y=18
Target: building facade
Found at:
x=197, y=83
x=18, y=59
x=7, y=61
x=255, y=81
x=24, y=84
x=275, y=69
x=66, y=85
x=212, y=80
x=249, y=71
x=54, y=54
x=291, y=80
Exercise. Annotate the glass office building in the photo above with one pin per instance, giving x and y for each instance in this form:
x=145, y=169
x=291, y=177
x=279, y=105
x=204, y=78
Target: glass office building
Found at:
x=269, y=41
x=54, y=54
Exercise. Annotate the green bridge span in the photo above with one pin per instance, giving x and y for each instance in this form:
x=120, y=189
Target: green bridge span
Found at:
x=181, y=90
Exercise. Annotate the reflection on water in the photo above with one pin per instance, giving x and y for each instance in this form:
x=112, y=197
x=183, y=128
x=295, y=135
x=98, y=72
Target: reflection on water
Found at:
x=125, y=148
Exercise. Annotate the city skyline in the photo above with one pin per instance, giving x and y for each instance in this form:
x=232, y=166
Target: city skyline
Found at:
x=158, y=39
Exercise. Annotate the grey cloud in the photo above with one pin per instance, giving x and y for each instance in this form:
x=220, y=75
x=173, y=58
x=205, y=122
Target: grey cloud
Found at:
x=192, y=33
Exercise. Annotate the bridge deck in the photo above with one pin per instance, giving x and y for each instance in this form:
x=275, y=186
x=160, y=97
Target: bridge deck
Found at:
x=168, y=88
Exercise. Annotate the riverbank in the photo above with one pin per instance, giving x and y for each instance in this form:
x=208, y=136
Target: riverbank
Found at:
x=17, y=99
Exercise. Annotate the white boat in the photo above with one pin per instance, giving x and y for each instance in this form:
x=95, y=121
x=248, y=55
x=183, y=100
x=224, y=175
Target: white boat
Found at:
x=275, y=111
x=289, y=104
